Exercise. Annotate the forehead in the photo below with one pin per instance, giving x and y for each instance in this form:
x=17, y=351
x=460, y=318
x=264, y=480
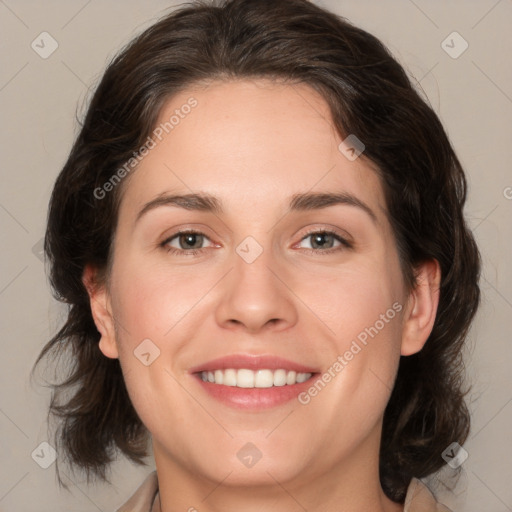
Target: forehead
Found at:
x=249, y=142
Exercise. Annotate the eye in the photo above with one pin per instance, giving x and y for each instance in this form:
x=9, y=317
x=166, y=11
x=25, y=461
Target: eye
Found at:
x=324, y=242
x=188, y=243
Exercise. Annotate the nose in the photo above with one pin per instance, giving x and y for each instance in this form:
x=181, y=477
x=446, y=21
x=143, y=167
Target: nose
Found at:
x=255, y=296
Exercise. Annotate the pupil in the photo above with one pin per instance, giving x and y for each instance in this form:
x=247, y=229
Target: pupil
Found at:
x=190, y=238
x=319, y=239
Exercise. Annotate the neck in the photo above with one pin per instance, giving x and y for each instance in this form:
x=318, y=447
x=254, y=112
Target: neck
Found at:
x=350, y=486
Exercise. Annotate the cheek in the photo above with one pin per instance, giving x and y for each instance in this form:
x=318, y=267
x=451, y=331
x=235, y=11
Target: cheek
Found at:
x=367, y=326
x=362, y=306
x=151, y=299
x=156, y=310
x=352, y=298
x=147, y=303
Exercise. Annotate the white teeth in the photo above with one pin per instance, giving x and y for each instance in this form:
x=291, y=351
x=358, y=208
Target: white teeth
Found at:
x=279, y=377
x=229, y=378
x=244, y=378
x=219, y=377
x=291, y=377
x=264, y=379
x=302, y=377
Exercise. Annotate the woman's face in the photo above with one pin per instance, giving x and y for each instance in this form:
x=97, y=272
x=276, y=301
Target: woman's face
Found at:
x=280, y=281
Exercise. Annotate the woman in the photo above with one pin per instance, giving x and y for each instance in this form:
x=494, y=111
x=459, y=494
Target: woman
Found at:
x=260, y=234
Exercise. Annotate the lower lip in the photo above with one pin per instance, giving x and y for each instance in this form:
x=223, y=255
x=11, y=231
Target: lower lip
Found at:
x=254, y=398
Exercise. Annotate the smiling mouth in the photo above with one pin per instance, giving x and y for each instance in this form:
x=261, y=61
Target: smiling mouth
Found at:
x=245, y=378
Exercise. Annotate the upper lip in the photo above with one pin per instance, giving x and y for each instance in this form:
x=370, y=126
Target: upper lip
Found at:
x=252, y=362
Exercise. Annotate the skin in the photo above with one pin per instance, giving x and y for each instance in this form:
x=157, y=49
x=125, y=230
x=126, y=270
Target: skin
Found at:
x=254, y=144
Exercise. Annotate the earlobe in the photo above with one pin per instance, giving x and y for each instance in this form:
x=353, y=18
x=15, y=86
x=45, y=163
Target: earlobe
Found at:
x=421, y=310
x=101, y=312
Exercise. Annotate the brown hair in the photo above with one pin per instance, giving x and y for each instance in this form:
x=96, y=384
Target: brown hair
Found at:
x=369, y=95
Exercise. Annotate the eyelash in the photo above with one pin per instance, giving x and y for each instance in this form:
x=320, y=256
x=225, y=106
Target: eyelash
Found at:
x=345, y=244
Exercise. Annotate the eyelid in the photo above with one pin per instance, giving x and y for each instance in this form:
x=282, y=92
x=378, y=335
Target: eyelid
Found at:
x=344, y=235
x=344, y=238
x=173, y=231
x=185, y=231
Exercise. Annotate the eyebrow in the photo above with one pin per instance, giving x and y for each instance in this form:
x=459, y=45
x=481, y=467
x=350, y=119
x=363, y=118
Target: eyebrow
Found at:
x=299, y=202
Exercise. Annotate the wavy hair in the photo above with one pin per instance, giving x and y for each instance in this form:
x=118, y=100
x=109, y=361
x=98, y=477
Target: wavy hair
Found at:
x=370, y=95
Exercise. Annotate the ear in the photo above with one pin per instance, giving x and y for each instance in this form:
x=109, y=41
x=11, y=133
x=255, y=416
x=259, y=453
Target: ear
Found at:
x=101, y=311
x=421, y=309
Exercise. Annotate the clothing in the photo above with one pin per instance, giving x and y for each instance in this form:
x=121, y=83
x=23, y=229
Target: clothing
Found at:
x=146, y=498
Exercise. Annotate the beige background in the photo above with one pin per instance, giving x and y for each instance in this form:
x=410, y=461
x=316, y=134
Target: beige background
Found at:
x=39, y=98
